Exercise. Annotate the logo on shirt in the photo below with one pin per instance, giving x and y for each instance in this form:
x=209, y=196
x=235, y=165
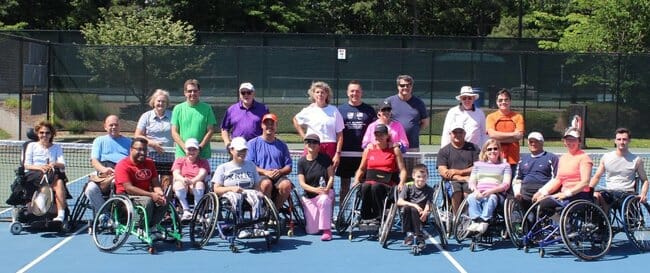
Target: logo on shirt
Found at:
x=143, y=174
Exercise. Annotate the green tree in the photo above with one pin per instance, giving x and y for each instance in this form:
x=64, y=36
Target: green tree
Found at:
x=131, y=47
x=5, y=7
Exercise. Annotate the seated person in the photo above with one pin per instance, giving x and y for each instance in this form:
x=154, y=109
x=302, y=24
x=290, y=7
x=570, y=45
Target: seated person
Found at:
x=273, y=161
x=237, y=181
x=622, y=167
x=189, y=173
x=572, y=180
x=416, y=202
x=46, y=158
x=137, y=177
x=106, y=151
x=382, y=166
x=533, y=171
x=316, y=176
x=489, y=181
x=454, y=163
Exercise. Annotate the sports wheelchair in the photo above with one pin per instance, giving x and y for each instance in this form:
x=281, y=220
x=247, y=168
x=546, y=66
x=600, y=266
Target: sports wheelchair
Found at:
x=505, y=223
x=582, y=226
x=349, y=216
x=431, y=226
x=631, y=217
x=442, y=206
x=214, y=213
x=118, y=218
x=292, y=212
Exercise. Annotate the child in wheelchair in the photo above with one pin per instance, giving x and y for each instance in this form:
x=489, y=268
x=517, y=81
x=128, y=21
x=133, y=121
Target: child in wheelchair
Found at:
x=416, y=202
x=237, y=181
x=189, y=173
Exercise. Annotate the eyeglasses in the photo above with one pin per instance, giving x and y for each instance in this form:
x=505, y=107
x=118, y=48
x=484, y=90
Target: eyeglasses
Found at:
x=503, y=100
x=466, y=98
x=492, y=149
x=44, y=133
x=192, y=91
x=245, y=93
x=404, y=84
x=309, y=141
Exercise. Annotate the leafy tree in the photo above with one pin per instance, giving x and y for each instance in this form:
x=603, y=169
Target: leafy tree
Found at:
x=5, y=7
x=135, y=46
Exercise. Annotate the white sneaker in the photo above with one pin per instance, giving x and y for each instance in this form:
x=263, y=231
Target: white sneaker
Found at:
x=473, y=227
x=187, y=215
x=59, y=218
x=483, y=226
x=260, y=232
x=244, y=234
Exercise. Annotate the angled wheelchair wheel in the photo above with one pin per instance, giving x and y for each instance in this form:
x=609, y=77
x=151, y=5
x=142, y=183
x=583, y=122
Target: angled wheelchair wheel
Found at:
x=585, y=230
x=636, y=216
x=204, y=220
x=387, y=224
x=293, y=212
x=435, y=225
x=462, y=222
x=514, y=217
x=349, y=209
x=271, y=221
x=113, y=223
x=442, y=204
x=78, y=211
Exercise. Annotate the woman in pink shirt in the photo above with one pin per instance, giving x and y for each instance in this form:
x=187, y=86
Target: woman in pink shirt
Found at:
x=395, y=129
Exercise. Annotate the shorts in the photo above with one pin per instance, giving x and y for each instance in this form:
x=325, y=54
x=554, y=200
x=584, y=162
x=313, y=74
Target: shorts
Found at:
x=348, y=167
x=614, y=198
x=274, y=181
x=460, y=187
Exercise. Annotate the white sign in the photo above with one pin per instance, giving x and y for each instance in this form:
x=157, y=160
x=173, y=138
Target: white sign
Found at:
x=341, y=54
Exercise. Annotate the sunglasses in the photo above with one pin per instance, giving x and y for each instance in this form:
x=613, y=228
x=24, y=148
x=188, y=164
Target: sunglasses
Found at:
x=245, y=93
x=44, y=133
x=404, y=84
x=492, y=149
x=311, y=142
x=503, y=100
x=466, y=98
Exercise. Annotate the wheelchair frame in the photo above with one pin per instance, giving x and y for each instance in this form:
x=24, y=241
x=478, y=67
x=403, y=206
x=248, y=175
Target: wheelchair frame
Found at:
x=632, y=218
x=498, y=226
x=21, y=211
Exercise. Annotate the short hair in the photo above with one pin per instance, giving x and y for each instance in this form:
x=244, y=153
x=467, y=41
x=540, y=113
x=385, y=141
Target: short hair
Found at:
x=420, y=168
x=191, y=81
x=624, y=130
x=45, y=123
x=407, y=78
x=483, y=155
x=142, y=140
x=158, y=93
x=321, y=85
x=357, y=82
x=504, y=91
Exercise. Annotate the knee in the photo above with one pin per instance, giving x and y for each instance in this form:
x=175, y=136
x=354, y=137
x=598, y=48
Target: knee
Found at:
x=284, y=187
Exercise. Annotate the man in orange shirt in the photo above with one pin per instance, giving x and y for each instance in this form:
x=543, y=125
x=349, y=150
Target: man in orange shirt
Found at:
x=507, y=127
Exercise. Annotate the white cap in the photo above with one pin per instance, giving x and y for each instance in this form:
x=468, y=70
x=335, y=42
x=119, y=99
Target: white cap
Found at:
x=573, y=132
x=191, y=143
x=467, y=91
x=536, y=135
x=247, y=86
x=238, y=143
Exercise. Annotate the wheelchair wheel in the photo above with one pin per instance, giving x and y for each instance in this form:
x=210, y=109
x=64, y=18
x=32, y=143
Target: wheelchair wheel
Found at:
x=462, y=222
x=442, y=204
x=293, y=212
x=637, y=225
x=585, y=230
x=78, y=212
x=387, y=223
x=204, y=220
x=514, y=219
x=113, y=223
x=349, y=209
x=436, y=225
x=271, y=221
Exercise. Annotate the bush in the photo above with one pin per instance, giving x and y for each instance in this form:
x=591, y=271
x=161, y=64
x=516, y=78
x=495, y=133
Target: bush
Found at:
x=76, y=127
x=78, y=107
x=601, y=120
x=13, y=103
x=543, y=122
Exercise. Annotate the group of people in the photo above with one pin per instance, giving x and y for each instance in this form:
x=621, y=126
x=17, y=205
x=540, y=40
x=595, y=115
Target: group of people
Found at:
x=479, y=157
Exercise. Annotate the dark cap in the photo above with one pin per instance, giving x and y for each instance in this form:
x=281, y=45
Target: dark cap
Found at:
x=384, y=105
x=381, y=128
x=313, y=137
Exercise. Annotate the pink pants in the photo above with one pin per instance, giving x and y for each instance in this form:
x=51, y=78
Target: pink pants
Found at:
x=318, y=212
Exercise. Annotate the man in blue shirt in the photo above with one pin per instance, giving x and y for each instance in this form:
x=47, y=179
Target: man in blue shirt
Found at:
x=533, y=170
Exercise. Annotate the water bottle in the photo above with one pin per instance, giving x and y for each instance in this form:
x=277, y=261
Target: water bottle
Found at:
x=322, y=182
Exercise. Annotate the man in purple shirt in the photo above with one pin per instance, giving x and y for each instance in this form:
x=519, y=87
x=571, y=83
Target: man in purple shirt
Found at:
x=273, y=161
x=243, y=118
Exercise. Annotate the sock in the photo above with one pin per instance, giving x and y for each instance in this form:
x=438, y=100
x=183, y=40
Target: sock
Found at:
x=181, y=194
x=198, y=194
x=61, y=213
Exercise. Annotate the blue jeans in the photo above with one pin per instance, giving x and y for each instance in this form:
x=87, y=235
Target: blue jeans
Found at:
x=483, y=208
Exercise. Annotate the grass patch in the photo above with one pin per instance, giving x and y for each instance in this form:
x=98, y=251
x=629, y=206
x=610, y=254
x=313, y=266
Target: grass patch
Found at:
x=4, y=134
x=13, y=103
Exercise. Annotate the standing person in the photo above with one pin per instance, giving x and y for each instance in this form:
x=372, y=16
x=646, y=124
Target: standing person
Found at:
x=155, y=125
x=409, y=110
x=416, y=201
x=356, y=117
x=46, y=158
x=395, y=129
x=533, y=171
x=468, y=115
x=316, y=177
x=106, y=151
x=193, y=119
x=322, y=119
x=507, y=127
x=243, y=118
x=455, y=162
x=489, y=181
x=136, y=176
x=189, y=174
x=273, y=160
x=622, y=167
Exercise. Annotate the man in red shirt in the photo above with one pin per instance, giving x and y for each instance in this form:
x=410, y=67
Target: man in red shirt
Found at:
x=137, y=177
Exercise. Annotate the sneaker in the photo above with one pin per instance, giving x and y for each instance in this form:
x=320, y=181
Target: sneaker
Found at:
x=187, y=215
x=327, y=235
x=244, y=234
x=156, y=236
x=483, y=226
x=473, y=227
x=260, y=232
x=59, y=218
x=408, y=240
x=105, y=221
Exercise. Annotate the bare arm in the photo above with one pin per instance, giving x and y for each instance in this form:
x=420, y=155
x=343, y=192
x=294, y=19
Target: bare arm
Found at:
x=505, y=137
x=177, y=137
x=208, y=136
x=424, y=123
x=100, y=168
x=225, y=135
x=599, y=173
x=299, y=128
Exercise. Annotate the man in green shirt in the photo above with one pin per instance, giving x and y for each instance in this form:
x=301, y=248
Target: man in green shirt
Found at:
x=193, y=119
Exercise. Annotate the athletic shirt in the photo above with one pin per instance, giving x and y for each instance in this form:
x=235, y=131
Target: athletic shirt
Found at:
x=486, y=176
x=537, y=169
x=139, y=175
x=382, y=160
x=507, y=123
x=568, y=171
x=356, y=120
x=622, y=171
x=313, y=170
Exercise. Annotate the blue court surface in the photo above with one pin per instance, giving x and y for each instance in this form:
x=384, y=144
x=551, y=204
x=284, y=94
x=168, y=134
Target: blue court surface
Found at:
x=52, y=252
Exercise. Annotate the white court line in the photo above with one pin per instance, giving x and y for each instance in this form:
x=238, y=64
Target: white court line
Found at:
x=51, y=250
x=451, y=259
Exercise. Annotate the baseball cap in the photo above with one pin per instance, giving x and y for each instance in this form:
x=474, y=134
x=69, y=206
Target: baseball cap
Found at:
x=384, y=105
x=247, y=86
x=270, y=116
x=191, y=143
x=536, y=135
x=313, y=137
x=457, y=126
x=573, y=132
x=381, y=128
x=238, y=143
